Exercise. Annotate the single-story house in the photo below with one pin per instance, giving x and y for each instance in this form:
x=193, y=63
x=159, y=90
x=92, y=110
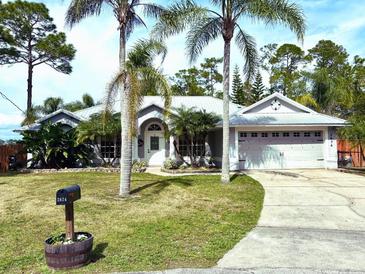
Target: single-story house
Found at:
x=274, y=133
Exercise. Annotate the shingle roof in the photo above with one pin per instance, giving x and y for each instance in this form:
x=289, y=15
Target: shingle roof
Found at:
x=238, y=116
x=208, y=103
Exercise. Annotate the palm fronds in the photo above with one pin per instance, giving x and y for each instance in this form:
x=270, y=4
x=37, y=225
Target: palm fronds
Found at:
x=151, y=10
x=274, y=12
x=247, y=46
x=80, y=9
x=205, y=31
x=177, y=17
x=138, y=77
x=144, y=52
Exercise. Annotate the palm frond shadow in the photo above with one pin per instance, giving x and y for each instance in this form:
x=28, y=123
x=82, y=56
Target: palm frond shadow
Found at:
x=159, y=186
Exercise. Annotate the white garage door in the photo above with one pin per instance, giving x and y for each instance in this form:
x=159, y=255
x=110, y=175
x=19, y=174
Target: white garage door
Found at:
x=281, y=150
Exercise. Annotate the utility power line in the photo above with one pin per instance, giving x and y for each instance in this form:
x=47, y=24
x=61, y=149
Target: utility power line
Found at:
x=15, y=105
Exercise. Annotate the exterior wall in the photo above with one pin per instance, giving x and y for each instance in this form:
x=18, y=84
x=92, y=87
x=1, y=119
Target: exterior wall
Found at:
x=266, y=108
x=215, y=139
x=330, y=149
x=62, y=117
x=233, y=149
x=152, y=112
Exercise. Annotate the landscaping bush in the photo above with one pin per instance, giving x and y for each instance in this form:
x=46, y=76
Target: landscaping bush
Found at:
x=52, y=146
x=139, y=166
x=171, y=164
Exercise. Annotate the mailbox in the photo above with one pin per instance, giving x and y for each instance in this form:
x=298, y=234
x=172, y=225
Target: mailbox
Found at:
x=68, y=195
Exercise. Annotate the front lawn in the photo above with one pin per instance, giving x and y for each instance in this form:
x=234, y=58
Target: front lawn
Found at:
x=168, y=222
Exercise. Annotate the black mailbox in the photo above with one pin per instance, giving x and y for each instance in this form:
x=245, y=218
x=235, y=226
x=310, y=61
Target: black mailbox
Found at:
x=68, y=195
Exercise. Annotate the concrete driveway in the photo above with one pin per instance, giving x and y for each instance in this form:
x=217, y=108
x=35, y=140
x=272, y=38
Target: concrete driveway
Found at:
x=313, y=220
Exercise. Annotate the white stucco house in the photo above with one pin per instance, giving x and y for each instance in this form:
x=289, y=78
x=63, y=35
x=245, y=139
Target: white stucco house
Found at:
x=274, y=133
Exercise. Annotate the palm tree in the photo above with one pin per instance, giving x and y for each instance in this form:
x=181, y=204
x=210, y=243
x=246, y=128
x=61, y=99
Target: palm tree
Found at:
x=31, y=115
x=51, y=104
x=87, y=100
x=125, y=11
x=193, y=125
x=205, y=25
x=141, y=75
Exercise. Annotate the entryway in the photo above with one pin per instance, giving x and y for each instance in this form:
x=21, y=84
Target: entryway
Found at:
x=154, y=144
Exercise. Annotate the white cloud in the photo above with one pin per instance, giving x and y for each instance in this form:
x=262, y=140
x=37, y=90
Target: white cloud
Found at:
x=10, y=119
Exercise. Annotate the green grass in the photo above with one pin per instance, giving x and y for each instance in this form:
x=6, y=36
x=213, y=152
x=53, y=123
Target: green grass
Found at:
x=168, y=222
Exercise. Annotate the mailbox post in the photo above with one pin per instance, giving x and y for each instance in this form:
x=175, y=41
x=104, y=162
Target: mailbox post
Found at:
x=70, y=227
x=67, y=196
x=67, y=254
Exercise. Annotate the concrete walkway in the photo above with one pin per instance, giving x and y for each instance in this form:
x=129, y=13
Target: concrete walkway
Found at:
x=313, y=221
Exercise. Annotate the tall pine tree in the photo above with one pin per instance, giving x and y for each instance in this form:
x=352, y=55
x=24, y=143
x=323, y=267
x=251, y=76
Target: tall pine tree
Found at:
x=28, y=35
x=258, y=89
x=238, y=92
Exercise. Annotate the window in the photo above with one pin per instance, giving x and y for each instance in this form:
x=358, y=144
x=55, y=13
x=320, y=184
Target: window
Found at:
x=155, y=143
x=275, y=134
x=254, y=134
x=183, y=146
x=296, y=134
x=118, y=145
x=264, y=135
x=198, y=146
x=317, y=134
x=110, y=146
x=307, y=134
x=154, y=127
x=243, y=134
x=107, y=147
x=286, y=134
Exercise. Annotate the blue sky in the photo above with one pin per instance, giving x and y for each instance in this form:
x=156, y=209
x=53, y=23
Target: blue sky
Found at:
x=96, y=41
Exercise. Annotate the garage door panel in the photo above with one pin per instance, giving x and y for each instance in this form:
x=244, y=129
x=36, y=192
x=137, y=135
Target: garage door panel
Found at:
x=281, y=151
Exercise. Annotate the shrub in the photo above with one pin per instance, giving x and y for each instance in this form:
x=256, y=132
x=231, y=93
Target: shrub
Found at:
x=52, y=146
x=171, y=164
x=139, y=166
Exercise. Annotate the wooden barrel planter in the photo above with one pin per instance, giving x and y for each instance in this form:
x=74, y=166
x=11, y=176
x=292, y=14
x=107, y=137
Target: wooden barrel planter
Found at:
x=72, y=255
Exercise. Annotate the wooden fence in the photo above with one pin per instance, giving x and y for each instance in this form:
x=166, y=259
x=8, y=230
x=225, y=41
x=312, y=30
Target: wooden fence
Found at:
x=346, y=150
x=8, y=150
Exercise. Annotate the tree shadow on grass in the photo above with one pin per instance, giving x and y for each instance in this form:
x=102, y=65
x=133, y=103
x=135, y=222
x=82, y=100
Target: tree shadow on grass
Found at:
x=233, y=177
x=159, y=186
x=97, y=253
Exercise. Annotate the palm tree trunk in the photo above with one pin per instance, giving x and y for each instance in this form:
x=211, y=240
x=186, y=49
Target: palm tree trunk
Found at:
x=126, y=140
x=226, y=71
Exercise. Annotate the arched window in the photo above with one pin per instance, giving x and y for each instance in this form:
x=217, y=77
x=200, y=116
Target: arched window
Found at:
x=154, y=127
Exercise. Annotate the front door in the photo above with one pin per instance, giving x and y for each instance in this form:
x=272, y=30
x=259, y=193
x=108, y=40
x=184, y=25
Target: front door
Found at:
x=154, y=145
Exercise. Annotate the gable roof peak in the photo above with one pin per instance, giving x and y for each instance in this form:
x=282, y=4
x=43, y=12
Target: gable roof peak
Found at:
x=281, y=97
x=61, y=110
